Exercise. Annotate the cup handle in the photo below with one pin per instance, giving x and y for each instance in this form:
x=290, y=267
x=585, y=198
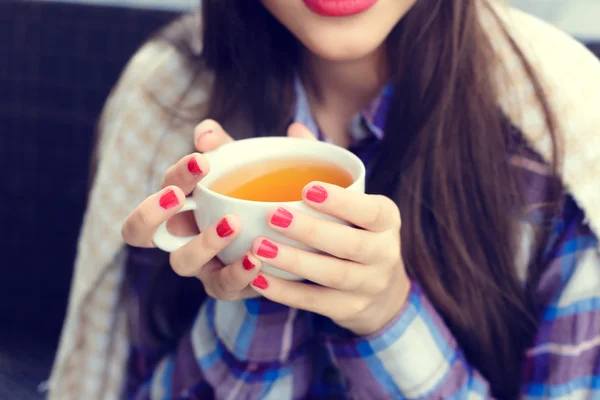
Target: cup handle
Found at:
x=168, y=242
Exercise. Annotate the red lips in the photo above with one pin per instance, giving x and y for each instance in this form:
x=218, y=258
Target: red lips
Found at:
x=339, y=8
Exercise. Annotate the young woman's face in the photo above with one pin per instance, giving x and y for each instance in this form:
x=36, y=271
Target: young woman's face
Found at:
x=339, y=30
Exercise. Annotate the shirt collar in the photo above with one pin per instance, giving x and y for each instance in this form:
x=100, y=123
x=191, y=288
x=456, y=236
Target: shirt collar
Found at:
x=369, y=122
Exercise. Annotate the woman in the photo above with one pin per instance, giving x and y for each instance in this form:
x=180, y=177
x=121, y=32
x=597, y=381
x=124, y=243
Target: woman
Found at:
x=479, y=128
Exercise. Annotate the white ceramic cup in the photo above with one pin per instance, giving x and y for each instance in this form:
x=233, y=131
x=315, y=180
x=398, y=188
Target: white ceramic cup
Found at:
x=209, y=207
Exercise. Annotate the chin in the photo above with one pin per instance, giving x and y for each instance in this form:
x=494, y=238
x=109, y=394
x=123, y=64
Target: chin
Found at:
x=340, y=38
x=341, y=49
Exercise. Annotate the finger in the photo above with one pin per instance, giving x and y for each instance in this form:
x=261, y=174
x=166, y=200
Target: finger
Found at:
x=139, y=227
x=318, y=268
x=210, y=135
x=333, y=238
x=372, y=212
x=335, y=304
x=228, y=283
x=191, y=258
x=214, y=265
x=187, y=172
x=299, y=130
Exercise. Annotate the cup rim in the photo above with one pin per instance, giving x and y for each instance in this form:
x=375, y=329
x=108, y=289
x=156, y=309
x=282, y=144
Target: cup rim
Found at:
x=333, y=147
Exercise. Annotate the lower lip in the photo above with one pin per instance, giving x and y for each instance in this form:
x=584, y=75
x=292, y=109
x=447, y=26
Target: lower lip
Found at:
x=339, y=8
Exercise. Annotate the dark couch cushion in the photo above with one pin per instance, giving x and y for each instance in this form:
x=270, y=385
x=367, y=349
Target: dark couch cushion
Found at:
x=58, y=63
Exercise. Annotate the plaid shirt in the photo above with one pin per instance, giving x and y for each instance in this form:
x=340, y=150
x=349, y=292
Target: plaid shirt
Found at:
x=256, y=349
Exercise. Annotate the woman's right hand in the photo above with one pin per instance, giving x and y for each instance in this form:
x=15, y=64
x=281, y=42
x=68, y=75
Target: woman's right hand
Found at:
x=198, y=257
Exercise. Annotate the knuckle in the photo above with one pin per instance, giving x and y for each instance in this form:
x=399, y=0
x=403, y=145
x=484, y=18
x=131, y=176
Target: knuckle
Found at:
x=354, y=249
x=398, y=220
x=392, y=211
x=176, y=264
x=386, y=202
x=294, y=262
x=168, y=176
x=387, y=212
x=340, y=279
x=137, y=222
x=182, y=263
x=378, y=213
x=210, y=291
x=143, y=219
x=309, y=301
x=179, y=176
x=379, y=284
x=215, y=291
x=210, y=242
x=127, y=233
x=354, y=307
x=220, y=286
x=312, y=230
x=391, y=253
x=359, y=306
x=226, y=287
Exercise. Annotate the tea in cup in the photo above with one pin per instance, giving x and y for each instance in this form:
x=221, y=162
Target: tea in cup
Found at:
x=250, y=177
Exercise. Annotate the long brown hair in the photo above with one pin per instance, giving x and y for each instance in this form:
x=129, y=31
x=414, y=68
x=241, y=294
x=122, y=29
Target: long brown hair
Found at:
x=443, y=159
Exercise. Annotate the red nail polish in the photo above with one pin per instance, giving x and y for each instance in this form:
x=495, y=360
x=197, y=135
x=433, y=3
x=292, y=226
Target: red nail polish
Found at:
x=224, y=229
x=247, y=264
x=267, y=249
x=260, y=282
x=282, y=218
x=168, y=200
x=193, y=167
x=316, y=194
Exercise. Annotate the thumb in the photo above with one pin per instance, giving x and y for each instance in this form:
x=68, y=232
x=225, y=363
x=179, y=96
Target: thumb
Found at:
x=210, y=135
x=298, y=130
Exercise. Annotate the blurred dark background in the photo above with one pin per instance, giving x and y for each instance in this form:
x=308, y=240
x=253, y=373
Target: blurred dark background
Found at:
x=58, y=62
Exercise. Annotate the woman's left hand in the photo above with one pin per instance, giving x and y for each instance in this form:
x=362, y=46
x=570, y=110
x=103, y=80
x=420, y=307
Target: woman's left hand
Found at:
x=361, y=280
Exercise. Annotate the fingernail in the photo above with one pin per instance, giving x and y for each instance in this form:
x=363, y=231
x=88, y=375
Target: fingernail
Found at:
x=224, y=229
x=267, y=249
x=282, y=218
x=193, y=167
x=260, y=282
x=204, y=133
x=169, y=200
x=316, y=194
x=247, y=264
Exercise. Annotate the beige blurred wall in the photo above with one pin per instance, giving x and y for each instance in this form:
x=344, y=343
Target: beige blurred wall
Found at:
x=580, y=18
